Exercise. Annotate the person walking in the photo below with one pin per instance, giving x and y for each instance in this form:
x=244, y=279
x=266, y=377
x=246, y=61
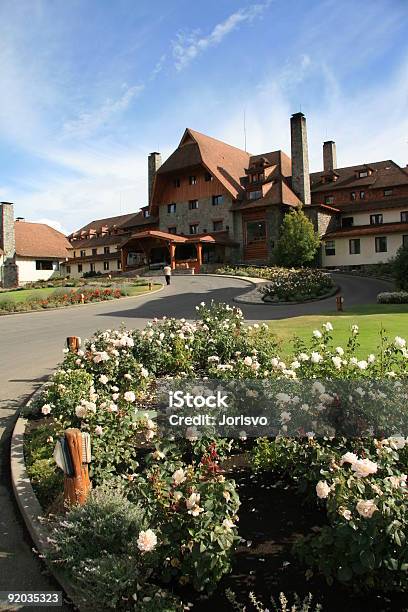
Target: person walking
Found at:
x=167, y=273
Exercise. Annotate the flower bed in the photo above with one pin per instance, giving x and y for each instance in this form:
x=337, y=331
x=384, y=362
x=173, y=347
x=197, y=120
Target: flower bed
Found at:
x=393, y=297
x=167, y=512
x=287, y=285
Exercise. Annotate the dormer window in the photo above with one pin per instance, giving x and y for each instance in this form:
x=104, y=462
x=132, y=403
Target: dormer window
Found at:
x=192, y=180
x=146, y=214
x=363, y=174
x=353, y=195
x=255, y=195
x=388, y=192
x=329, y=199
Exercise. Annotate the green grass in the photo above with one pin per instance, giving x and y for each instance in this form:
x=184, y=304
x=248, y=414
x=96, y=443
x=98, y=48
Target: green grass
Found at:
x=393, y=318
x=138, y=289
x=23, y=295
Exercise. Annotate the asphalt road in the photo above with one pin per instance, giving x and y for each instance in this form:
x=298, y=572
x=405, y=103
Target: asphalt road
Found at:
x=31, y=347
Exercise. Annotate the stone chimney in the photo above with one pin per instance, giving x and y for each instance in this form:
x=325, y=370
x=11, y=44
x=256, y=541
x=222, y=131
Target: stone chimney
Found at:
x=154, y=163
x=300, y=158
x=329, y=155
x=9, y=274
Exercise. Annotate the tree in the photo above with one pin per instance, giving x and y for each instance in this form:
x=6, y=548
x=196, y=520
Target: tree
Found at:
x=298, y=243
x=401, y=268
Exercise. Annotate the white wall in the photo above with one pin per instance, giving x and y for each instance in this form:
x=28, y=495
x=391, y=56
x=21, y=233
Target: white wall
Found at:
x=27, y=272
x=86, y=267
x=390, y=215
x=367, y=250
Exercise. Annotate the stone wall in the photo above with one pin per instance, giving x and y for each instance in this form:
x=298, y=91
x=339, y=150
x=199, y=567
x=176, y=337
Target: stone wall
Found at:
x=204, y=216
x=9, y=275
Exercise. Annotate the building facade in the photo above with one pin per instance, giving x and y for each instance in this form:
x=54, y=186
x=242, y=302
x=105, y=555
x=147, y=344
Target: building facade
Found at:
x=29, y=251
x=212, y=203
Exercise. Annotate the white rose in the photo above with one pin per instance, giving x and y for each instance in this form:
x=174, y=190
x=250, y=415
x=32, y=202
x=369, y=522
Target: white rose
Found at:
x=397, y=442
x=103, y=379
x=348, y=458
x=316, y=357
x=129, y=396
x=340, y=351
x=328, y=326
x=46, y=409
x=248, y=361
x=98, y=430
x=366, y=508
x=147, y=540
x=227, y=523
x=179, y=476
x=322, y=489
x=364, y=467
x=337, y=362
x=362, y=365
x=80, y=411
x=399, y=342
x=317, y=333
x=192, y=501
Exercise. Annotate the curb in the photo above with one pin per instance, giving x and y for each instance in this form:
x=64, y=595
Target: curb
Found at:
x=125, y=297
x=29, y=505
x=243, y=300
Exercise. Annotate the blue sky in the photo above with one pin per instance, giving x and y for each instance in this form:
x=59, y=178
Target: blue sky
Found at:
x=90, y=87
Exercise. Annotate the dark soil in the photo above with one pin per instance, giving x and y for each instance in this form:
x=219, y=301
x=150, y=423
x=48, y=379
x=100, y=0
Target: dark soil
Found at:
x=272, y=516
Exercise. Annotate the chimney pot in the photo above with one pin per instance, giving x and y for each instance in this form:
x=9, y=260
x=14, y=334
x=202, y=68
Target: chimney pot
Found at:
x=329, y=155
x=300, y=158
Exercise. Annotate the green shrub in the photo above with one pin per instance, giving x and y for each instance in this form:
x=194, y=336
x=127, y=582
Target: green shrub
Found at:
x=298, y=243
x=401, y=268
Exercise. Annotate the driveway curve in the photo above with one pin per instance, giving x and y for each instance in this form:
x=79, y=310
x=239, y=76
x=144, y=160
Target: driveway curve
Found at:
x=31, y=346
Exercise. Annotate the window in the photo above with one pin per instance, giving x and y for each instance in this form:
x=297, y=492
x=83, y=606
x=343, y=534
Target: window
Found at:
x=362, y=195
x=404, y=216
x=68, y=269
x=172, y=230
x=79, y=267
x=74, y=253
x=381, y=244
x=192, y=180
x=405, y=241
x=255, y=231
x=376, y=219
x=208, y=177
x=388, y=192
x=106, y=250
x=193, y=204
x=217, y=199
x=92, y=267
x=106, y=265
x=118, y=264
x=353, y=195
x=171, y=208
x=363, y=173
x=83, y=253
x=146, y=214
x=255, y=195
x=194, y=228
x=218, y=226
x=354, y=246
x=329, y=199
x=176, y=182
x=330, y=247
x=256, y=178
x=347, y=222
x=42, y=264
x=94, y=251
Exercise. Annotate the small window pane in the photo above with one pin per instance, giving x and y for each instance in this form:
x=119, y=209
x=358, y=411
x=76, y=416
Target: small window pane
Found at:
x=381, y=244
x=255, y=231
x=354, y=246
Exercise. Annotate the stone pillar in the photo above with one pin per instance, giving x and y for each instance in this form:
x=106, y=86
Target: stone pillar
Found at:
x=329, y=155
x=8, y=245
x=300, y=158
x=123, y=258
x=153, y=164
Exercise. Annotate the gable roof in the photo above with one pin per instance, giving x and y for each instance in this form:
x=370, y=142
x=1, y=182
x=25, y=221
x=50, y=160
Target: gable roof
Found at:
x=109, y=222
x=384, y=174
x=225, y=162
x=40, y=240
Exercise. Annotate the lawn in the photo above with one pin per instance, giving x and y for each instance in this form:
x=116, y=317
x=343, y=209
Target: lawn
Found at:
x=23, y=295
x=393, y=318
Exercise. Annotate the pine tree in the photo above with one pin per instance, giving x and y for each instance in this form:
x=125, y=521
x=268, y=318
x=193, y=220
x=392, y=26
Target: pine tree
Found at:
x=298, y=243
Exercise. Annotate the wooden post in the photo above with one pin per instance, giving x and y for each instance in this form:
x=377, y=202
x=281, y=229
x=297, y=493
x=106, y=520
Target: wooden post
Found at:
x=339, y=302
x=172, y=255
x=123, y=258
x=76, y=487
x=73, y=343
x=199, y=248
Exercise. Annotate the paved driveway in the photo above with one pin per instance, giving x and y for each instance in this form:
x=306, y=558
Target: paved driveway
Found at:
x=31, y=346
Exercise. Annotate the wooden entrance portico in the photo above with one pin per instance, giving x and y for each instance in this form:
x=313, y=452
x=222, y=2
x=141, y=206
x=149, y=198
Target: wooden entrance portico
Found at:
x=153, y=240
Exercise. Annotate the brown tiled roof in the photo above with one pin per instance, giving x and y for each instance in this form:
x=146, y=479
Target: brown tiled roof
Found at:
x=109, y=222
x=366, y=205
x=363, y=230
x=139, y=219
x=89, y=243
x=40, y=240
x=384, y=174
x=225, y=162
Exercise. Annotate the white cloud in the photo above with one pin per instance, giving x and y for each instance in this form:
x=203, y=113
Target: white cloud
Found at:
x=88, y=122
x=188, y=46
x=53, y=223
